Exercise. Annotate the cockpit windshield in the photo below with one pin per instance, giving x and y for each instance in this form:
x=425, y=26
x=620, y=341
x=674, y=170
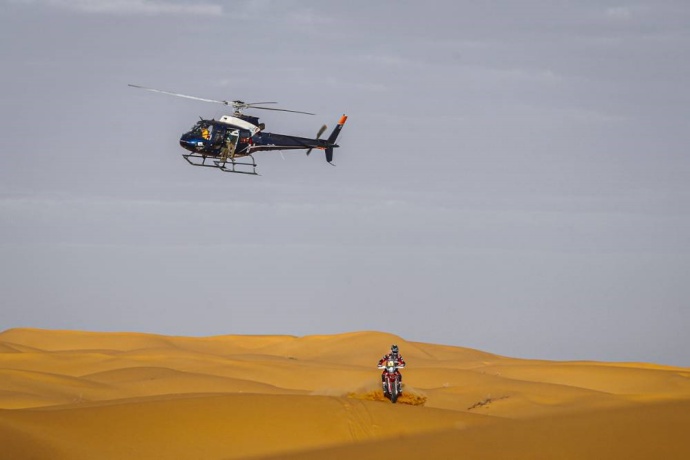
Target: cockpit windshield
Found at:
x=196, y=129
x=203, y=129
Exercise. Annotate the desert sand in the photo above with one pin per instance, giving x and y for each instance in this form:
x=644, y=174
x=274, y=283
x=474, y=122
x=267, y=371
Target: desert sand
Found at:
x=86, y=395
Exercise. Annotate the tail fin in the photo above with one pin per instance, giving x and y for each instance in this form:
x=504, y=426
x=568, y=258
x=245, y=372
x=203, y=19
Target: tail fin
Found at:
x=333, y=137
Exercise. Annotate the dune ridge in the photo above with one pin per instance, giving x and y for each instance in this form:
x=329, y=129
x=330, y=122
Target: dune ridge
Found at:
x=78, y=394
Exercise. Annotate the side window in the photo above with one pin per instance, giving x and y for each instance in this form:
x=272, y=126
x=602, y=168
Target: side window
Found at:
x=216, y=133
x=232, y=135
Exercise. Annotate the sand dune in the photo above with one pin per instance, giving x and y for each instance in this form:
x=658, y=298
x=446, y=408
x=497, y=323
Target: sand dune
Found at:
x=631, y=433
x=72, y=394
x=210, y=426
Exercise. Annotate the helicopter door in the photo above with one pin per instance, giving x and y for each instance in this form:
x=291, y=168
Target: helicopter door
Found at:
x=232, y=137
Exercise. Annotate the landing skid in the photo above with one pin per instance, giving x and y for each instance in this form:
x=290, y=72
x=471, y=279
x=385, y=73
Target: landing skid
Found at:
x=225, y=165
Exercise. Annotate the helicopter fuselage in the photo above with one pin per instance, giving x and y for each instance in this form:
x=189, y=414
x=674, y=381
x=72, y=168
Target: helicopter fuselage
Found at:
x=217, y=143
x=211, y=137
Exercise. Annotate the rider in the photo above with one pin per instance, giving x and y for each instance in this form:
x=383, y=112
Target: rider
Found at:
x=394, y=355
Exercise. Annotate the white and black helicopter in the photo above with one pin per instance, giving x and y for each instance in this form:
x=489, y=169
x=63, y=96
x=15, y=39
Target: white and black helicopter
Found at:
x=228, y=143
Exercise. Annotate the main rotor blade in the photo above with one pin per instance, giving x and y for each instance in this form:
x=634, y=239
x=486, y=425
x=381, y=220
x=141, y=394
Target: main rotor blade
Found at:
x=180, y=95
x=280, y=110
x=238, y=105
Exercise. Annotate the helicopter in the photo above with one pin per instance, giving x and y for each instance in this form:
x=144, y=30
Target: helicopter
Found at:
x=228, y=144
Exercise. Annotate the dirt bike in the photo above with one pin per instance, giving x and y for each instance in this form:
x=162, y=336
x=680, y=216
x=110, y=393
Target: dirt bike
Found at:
x=391, y=380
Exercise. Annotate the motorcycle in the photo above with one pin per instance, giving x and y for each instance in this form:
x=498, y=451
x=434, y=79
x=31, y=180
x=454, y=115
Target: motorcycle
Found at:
x=391, y=380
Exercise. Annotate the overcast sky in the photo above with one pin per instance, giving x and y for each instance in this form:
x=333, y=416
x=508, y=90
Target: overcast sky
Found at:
x=513, y=176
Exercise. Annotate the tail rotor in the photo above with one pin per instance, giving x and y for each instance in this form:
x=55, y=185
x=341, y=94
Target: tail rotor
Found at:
x=318, y=136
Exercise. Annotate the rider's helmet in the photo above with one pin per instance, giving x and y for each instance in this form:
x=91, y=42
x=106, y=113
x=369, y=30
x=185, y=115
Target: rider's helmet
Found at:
x=394, y=350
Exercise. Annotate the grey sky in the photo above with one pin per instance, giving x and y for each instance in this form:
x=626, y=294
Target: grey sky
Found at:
x=513, y=176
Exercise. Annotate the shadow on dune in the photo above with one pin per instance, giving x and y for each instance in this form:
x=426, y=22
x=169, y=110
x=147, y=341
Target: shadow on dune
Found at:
x=410, y=396
x=371, y=391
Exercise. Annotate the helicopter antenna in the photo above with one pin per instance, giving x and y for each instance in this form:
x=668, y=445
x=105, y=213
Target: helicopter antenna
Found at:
x=237, y=105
